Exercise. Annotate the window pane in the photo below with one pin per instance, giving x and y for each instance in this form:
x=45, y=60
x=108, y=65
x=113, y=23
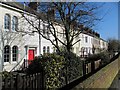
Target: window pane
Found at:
x=15, y=53
x=44, y=49
x=14, y=23
x=86, y=39
x=6, y=53
x=7, y=21
x=48, y=49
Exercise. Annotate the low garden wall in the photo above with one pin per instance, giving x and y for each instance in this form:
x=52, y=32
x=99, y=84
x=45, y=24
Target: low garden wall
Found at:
x=103, y=78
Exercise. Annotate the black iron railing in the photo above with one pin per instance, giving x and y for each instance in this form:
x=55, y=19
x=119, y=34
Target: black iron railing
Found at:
x=24, y=82
x=37, y=81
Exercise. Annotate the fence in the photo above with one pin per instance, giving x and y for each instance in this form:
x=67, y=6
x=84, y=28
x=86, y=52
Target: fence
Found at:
x=37, y=81
x=71, y=85
x=34, y=81
x=24, y=82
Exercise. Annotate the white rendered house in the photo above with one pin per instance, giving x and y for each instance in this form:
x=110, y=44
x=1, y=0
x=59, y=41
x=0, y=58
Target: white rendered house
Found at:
x=17, y=40
x=21, y=41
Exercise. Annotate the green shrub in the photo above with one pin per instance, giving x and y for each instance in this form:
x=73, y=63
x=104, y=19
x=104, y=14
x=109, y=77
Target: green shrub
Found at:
x=52, y=66
x=36, y=66
x=57, y=68
x=73, y=65
x=104, y=56
x=53, y=69
x=93, y=57
x=6, y=75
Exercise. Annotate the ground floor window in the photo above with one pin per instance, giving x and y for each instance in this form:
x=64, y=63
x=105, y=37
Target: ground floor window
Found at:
x=14, y=53
x=48, y=49
x=7, y=53
x=44, y=50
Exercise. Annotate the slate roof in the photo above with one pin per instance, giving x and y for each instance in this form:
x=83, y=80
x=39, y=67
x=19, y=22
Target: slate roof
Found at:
x=20, y=6
x=15, y=5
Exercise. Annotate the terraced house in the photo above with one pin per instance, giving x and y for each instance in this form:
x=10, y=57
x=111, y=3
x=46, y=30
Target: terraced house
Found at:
x=19, y=40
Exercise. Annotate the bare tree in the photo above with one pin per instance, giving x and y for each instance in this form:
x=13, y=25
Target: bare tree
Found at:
x=70, y=16
x=113, y=45
x=64, y=21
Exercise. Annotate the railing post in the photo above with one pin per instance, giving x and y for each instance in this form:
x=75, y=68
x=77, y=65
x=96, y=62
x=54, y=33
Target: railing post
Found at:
x=84, y=68
x=16, y=82
x=1, y=80
x=24, y=64
x=66, y=75
x=92, y=66
x=43, y=81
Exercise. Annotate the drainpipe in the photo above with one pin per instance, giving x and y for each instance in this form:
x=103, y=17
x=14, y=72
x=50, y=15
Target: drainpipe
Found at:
x=39, y=39
x=26, y=52
x=2, y=50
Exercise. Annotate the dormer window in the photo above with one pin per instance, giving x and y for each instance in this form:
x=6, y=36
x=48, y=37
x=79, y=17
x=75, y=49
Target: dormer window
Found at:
x=7, y=22
x=14, y=23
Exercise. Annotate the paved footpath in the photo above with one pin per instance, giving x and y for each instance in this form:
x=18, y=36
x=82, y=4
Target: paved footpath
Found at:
x=116, y=83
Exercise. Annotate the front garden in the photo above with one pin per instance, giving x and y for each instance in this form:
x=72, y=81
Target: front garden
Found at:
x=57, y=70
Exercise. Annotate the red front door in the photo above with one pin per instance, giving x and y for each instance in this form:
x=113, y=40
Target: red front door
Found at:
x=30, y=55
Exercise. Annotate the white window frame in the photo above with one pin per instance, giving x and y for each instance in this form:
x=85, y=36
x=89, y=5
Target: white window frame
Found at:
x=14, y=23
x=7, y=22
x=7, y=53
x=14, y=53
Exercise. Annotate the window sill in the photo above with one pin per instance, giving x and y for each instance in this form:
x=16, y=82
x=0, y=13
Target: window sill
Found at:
x=6, y=63
x=13, y=62
x=6, y=30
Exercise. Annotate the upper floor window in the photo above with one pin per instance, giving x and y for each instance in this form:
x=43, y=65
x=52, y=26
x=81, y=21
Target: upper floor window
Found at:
x=7, y=53
x=48, y=30
x=103, y=43
x=91, y=40
x=14, y=53
x=14, y=23
x=86, y=49
x=86, y=39
x=7, y=21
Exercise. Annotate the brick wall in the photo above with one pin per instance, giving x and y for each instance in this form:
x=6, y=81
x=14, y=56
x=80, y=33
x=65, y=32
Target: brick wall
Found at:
x=103, y=78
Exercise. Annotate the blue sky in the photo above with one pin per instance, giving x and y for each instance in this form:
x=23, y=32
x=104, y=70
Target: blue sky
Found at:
x=108, y=26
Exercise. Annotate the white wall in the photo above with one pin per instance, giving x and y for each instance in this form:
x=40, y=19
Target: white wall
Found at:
x=84, y=44
x=15, y=40
x=31, y=40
